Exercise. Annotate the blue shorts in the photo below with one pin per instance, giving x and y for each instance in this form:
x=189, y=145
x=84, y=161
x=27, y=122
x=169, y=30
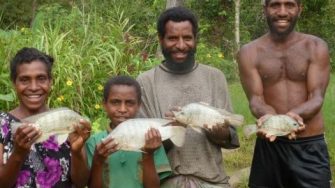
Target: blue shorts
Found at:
x=284, y=163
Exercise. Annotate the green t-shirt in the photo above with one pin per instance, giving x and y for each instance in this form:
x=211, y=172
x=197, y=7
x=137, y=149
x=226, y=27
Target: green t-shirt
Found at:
x=124, y=167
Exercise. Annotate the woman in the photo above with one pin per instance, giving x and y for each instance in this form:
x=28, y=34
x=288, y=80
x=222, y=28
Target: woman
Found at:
x=46, y=164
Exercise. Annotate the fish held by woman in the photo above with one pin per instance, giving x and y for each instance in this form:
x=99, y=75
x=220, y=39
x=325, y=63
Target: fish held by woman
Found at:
x=58, y=121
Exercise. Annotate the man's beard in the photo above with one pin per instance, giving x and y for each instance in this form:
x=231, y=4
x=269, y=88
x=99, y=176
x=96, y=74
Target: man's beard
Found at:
x=174, y=66
x=284, y=33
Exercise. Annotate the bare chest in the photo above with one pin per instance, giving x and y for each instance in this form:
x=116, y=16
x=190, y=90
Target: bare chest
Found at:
x=276, y=65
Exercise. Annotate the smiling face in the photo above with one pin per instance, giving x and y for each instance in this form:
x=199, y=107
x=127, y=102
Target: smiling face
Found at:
x=122, y=104
x=281, y=16
x=178, y=43
x=32, y=85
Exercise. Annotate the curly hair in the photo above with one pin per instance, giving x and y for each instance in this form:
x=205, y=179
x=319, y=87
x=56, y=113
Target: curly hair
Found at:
x=28, y=55
x=266, y=2
x=176, y=14
x=122, y=80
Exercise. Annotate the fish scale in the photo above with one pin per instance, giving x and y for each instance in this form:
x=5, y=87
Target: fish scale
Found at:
x=196, y=115
x=130, y=134
x=276, y=125
x=57, y=121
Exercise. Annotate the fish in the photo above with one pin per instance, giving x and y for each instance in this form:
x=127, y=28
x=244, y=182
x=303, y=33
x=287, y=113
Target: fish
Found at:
x=274, y=125
x=130, y=134
x=196, y=115
x=57, y=121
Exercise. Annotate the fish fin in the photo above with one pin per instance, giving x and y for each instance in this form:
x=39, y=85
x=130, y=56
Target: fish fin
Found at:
x=167, y=124
x=197, y=129
x=177, y=135
x=43, y=137
x=236, y=119
x=61, y=138
x=248, y=130
x=203, y=103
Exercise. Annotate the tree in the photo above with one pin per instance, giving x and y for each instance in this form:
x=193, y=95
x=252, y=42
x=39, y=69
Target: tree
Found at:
x=174, y=3
x=237, y=23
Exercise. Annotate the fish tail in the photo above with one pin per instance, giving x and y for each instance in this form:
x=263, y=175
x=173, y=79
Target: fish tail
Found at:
x=236, y=120
x=177, y=135
x=248, y=130
x=14, y=126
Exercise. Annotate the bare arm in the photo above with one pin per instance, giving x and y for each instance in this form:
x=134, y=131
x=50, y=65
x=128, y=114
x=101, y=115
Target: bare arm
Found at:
x=152, y=142
x=79, y=168
x=23, y=139
x=317, y=81
x=252, y=82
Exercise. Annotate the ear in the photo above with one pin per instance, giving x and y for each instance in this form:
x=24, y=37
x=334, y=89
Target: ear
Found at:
x=139, y=105
x=264, y=11
x=50, y=84
x=160, y=39
x=104, y=104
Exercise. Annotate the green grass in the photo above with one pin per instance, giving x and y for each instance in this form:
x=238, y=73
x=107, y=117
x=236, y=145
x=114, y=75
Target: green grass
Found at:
x=243, y=156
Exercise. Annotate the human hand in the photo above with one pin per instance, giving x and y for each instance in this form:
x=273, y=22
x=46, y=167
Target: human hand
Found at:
x=153, y=141
x=24, y=137
x=219, y=133
x=170, y=116
x=78, y=138
x=261, y=132
x=106, y=147
x=302, y=126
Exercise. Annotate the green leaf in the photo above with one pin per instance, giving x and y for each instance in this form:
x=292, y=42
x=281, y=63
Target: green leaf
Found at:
x=7, y=97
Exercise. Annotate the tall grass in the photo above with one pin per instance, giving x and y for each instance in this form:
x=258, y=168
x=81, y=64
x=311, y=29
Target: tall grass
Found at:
x=87, y=48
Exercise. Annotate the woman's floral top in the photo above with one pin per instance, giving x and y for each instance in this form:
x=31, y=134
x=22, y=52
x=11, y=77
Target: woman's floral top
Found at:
x=48, y=164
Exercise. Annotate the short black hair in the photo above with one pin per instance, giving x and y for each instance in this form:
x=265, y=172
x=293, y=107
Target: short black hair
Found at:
x=122, y=80
x=266, y=2
x=28, y=55
x=176, y=14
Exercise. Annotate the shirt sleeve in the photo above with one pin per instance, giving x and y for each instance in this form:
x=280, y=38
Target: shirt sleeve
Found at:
x=162, y=163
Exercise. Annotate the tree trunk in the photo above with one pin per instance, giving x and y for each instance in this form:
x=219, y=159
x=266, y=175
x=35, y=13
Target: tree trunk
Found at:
x=33, y=10
x=237, y=24
x=174, y=3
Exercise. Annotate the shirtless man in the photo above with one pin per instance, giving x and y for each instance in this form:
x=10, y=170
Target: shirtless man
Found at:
x=287, y=72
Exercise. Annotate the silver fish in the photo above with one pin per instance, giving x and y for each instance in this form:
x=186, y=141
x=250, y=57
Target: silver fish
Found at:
x=196, y=115
x=58, y=121
x=276, y=125
x=130, y=134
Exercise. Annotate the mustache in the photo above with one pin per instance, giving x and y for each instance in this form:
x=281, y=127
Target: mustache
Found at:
x=179, y=66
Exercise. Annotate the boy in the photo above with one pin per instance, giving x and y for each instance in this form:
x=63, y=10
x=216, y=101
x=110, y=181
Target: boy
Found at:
x=122, y=99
